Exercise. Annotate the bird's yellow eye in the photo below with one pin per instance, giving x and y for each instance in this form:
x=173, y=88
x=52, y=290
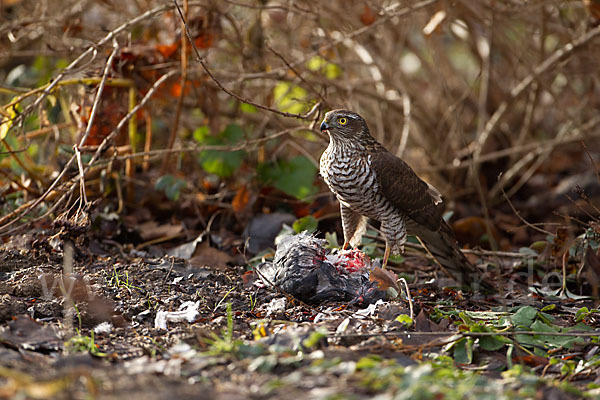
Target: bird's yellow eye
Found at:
x=343, y=121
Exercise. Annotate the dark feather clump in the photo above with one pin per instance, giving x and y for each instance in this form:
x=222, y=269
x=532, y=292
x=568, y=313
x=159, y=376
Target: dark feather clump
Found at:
x=301, y=269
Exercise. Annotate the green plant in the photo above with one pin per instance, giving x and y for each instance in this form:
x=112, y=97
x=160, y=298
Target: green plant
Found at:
x=224, y=343
x=81, y=344
x=171, y=186
x=220, y=162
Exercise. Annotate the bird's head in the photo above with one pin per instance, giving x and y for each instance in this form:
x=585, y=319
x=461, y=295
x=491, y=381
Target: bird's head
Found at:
x=346, y=126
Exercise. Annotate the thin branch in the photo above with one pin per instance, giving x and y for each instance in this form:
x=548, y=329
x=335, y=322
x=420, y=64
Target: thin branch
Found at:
x=291, y=67
x=202, y=62
x=518, y=214
x=182, y=82
x=524, y=84
x=19, y=213
x=98, y=98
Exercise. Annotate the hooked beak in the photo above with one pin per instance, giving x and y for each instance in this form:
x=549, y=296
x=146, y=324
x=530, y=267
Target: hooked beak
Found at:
x=324, y=126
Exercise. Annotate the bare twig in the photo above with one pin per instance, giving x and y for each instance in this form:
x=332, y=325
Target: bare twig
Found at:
x=98, y=97
x=182, y=83
x=518, y=214
x=524, y=84
x=26, y=208
x=202, y=62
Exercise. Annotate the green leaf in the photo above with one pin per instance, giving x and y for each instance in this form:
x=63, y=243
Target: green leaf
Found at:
x=319, y=64
x=248, y=108
x=463, y=351
x=308, y=223
x=202, y=135
x=332, y=240
x=220, y=162
x=315, y=338
x=368, y=362
x=294, y=177
x=549, y=307
x=524, y=316
x=290, y=98
x=170, y=185
x=7, y=122
x=404, y=319
x=491, y=343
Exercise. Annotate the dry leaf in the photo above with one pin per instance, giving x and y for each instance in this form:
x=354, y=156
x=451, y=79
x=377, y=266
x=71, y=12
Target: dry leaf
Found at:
x=385, y=278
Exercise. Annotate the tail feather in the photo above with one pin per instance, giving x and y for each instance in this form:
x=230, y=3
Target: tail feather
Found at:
x=442, y=246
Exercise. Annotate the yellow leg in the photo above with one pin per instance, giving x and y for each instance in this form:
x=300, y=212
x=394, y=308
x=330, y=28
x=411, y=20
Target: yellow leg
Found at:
x=345, y=246
x=386, y=255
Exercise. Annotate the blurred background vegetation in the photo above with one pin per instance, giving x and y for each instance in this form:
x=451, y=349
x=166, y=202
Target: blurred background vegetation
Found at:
x=480, y=97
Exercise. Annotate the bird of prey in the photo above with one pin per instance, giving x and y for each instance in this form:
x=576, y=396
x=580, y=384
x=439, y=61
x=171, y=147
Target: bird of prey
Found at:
x=371, y=182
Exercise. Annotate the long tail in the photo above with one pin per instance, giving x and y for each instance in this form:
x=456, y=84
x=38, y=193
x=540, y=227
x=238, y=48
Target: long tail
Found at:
x=442, y=246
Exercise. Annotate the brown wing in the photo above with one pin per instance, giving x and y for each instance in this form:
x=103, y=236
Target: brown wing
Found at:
x=406, y=191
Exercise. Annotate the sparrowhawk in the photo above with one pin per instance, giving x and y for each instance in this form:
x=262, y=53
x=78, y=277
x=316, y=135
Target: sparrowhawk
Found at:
x=371, y=182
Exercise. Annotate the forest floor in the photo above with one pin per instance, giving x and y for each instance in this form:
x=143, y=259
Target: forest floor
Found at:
x=96, y=333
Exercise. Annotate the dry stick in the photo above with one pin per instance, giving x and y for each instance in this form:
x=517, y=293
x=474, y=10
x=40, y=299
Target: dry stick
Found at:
x=524, y=84
x=578, y=135
x=243, y=145
x=591, y=159
x=490, y=253
x=202, y=62
x=360, y=31
x=583, y=210
x=409, y=298
x=293, y=8
x=542, y=153
x=74, y=156
x=99, y=93
x=147, y=143
x=406, y=108
x=518, y=214
x=23, y=210
x=106, y=140
x=91, y=120
x=483, y=95
x=42, y=131
x=182, y=82
x=291, y=67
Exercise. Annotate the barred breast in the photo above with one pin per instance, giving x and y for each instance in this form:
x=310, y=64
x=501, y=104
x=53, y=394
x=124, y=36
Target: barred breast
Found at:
x=350, y=176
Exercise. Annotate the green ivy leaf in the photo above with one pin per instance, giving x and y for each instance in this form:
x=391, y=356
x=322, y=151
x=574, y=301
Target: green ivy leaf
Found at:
x=220, y=162
x=491, y=343
x=463, y=351
x=290, y=98
x=248, y=108
x=524, y=316
x=319, y=64
x=170, y=185
x=404, y=319
x=294, y=177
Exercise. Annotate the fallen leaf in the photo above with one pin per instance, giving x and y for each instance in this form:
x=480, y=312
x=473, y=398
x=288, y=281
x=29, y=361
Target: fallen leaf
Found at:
x=531, y=360
x=206, y=256
x=384, y=278
x=152, y=230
